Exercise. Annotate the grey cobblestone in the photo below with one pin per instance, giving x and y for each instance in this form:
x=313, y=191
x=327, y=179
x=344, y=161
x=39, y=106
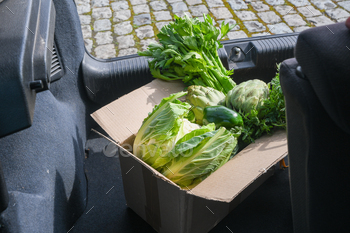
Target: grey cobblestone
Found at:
x=215, y=3
x=230, y=22
x=193, y=2
x=300, y=29
x=123, y=28
x=221, y=13
x=269, y=17
x=261, y=34
x=125, y=52
x=337, y=14
x=309, y=11
x=143, y=8
x=85, y=19
x=105, y=51
x=88, y=45
x=179, y=7
x=237, y=4
x=158, y=5
x=161, y=24
x=82, y=7
x=299, y=2
x=104, y=38
x=236, y=35
x=86, y=30
x=101, y=13
x=320, y=20
x=172, y=1
x=345, y=4
x=182, y=14
x=99, y=3
x=125, y=42
x=137, y=2
x=145, y=31
x=121, y=15
x=245, y=15
x=199, y=10
x=284, y=10
x=145, y=43
x=279, y=28
x=142, y=19
x=275, y=2
x=121, y=5
x=254, y=26
x=294, y=20
x=102, y=25
x=162, y=15
x=260, y=6
x=324, y=4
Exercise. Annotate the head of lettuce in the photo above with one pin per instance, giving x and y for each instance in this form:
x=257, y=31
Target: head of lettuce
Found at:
x=183, y=151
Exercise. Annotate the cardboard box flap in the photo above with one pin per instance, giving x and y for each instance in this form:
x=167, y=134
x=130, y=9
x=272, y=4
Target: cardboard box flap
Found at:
x=122, y=118
x=244, y=168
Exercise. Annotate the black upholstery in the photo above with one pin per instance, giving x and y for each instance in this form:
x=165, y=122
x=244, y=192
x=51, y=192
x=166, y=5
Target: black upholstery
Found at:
x=318, y=127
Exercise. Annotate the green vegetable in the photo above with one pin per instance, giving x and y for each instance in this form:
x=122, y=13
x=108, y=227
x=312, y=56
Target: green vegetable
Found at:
x=198, y=154
x=163, y=128
x=247, y=95
x=188, y=51
x=271, y=114
x=222, y=116
x=200, y=97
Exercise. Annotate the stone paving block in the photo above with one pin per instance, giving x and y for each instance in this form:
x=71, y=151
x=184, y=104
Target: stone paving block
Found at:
x=237, y=4
x=309, y=11
x=345, y=5
x=172, y=1
x=99, y=3
x=145, y=43
x=162, y=15
x=221, y=13
x=143, y=8
x=320, y=20
x=182, y=14
x=158, y=5
x=85, y=19
x=105, y=51
x=123, y=28
x=324, y=4
x=125, y=42
x=145, y=31
x=86, y=30
x=269, y=17
x=337, y=13
x=125, y=52
x=202, y=20
x=260, y=6
x=83, y=7
x=193, y=2
x=275, y=2
x=261, y=34
x=342, y=20
x=199, y=10
x=123, y=15
x=88, y=44
x=299, y=2
x=215, y=3
x=179, y=6
x=285, y=9
x=300, y=29
x=279, y=28
x=245, y=15
x=230, y=22
x=104, y=38
x=137, y=2
x=101, y=13
x=162, y=24
x=236, y=35
x=294, y=20
x=121, y=5
x=254, y=26
x=142, y=19
x=102, y=25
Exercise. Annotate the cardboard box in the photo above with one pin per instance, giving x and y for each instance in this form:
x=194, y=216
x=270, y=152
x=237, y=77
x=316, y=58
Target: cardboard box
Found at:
x=159, y=201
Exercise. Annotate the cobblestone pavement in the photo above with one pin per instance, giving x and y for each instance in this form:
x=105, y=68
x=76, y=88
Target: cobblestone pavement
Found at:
x=121, y=27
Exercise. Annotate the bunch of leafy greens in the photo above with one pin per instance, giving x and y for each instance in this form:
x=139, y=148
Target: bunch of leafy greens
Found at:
x=198, y=154
x=164, y=126
x=188, y=51
x=271, y=114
